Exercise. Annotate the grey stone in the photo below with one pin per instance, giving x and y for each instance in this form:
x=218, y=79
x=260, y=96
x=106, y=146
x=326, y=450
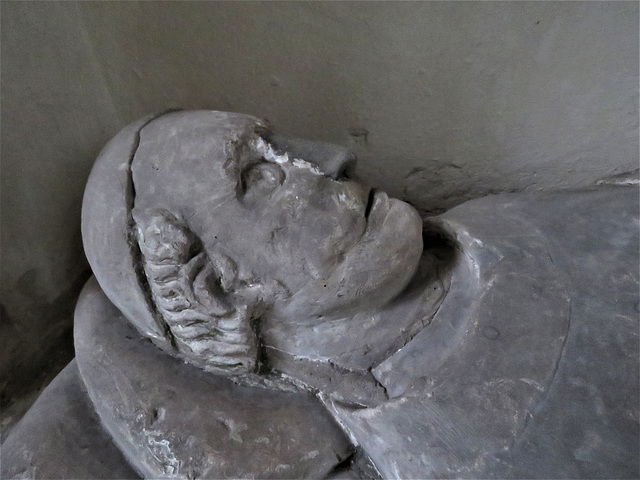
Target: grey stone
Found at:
x=461, y=349
x=61, y=437
x=542, y=379
x=107, y=201
x=518, y=95
x=496, y=340
x=233, y=246
x=172, y=420
x=333, y=160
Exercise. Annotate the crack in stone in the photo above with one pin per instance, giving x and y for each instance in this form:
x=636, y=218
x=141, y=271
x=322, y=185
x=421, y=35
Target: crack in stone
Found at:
x=332, y=372
x=134, y=247
x=562, y=348
x=529, y=415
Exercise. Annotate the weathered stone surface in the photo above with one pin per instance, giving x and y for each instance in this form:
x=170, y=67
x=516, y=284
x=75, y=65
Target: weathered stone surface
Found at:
x=61, y=437
x=498, y=340
x=564, y=116
x=333, y=160
x=543, y=382
x=171, y=419
x=529, y=368
x=230, y=244
x=106, y=223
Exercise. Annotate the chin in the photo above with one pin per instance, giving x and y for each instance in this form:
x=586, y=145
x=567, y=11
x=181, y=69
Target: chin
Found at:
x=394, y=253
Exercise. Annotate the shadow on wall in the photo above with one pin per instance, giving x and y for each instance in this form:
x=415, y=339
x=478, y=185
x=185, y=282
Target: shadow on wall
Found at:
x=31, y=355
x=518, y=96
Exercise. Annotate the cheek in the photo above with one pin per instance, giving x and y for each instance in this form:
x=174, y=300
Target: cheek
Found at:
x=302, y=249
x=308, y=225
x=326, y=228
x=340, y=217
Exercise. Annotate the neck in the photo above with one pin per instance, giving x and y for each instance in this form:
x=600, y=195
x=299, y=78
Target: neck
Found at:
x=331, y=351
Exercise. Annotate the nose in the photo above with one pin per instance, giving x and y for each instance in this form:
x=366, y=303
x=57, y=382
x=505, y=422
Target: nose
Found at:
x=334, y=161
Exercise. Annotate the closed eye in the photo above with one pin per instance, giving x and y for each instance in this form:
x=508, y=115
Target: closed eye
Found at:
x=262, y=177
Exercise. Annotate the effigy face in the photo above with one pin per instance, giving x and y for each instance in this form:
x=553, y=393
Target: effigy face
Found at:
x=225, y=230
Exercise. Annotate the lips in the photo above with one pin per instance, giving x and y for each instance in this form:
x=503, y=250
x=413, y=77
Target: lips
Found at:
x=376, y=211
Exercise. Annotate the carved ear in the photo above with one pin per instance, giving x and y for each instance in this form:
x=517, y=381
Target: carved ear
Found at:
x=163, y=239
x=192, y=295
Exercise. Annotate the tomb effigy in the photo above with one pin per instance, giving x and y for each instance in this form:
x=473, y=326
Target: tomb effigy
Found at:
x=256, y=312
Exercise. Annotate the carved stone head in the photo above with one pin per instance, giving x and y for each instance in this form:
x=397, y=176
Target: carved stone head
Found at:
x=200, y=224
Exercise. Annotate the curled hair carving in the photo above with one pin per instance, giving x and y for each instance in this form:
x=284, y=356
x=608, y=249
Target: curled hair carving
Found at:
x=190, y=292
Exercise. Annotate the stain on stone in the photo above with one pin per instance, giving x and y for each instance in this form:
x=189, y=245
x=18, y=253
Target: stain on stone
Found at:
x=156, y=415
x=47, y=328
x=274, y=81
x=414, y=171
x=624, y=178
x=5, y=319
x=26, y=282
x=359, y=135
x=491, y=333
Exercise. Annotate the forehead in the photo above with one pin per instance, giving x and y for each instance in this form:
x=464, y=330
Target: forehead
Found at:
x=192, y=160
x=189, y=162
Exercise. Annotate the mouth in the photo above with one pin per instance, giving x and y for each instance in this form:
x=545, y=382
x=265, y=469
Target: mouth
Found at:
x=376, y=210
x=370, y=200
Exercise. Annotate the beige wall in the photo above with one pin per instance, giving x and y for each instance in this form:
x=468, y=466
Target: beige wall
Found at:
x=457, y=100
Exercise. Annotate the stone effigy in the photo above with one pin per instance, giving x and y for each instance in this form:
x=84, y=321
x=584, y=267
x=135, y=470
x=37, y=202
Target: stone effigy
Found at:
x=256, y=312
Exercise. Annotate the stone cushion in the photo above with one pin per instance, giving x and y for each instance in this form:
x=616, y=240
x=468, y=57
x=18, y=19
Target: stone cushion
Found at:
x=61, y=437
x=171, y=419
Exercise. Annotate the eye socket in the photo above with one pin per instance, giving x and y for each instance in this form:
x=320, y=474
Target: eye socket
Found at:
x=263, y=176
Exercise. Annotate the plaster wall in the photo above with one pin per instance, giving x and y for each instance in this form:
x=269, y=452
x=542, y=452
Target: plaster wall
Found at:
x=443, y=101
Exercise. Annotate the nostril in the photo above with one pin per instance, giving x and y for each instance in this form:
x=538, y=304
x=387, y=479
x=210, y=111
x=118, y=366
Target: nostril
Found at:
x=367, y=210
x=346, y=168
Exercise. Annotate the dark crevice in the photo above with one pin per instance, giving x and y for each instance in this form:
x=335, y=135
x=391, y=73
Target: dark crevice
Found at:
x=356, y=465
x=370, y=200
x=262, y=361
x=356, y=388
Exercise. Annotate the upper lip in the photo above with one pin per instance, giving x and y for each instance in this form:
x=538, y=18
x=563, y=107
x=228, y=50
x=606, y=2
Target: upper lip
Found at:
x=376, y=211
